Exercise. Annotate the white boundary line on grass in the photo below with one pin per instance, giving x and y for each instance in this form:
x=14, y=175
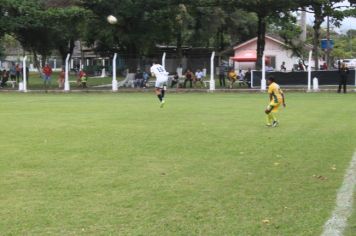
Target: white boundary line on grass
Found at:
x=336, y=225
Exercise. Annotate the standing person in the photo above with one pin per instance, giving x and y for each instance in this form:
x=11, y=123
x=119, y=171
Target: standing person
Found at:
x=344, y=73
x=222, y=76
x=47, y=73
x=13, y=72
x=188, y=77
x=27, y=75
x=248, y=77
x=161, y=79
x=18, y=72
x=61, y=78
x=175, y=80
x=232, y=77
x=276, y=98
x=82, y=79
x=1, y=79
x=241, y=75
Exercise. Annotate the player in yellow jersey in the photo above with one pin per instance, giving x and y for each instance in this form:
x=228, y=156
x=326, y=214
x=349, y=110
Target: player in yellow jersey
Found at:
x=277, y=99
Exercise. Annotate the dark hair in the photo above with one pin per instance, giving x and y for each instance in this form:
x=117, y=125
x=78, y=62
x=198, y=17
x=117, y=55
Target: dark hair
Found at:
x=271, y=78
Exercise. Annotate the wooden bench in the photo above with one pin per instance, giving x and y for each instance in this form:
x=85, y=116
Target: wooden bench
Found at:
x=12, y=83
x=206, y=83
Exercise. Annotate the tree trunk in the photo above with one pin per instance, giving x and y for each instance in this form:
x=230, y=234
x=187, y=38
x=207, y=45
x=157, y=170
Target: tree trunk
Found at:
x=179, y=46
x=316, y=41
x=82, y=53
x=43, y=60
x=132, y=57
x=63, y=51
x=71, y=47
x=37, y=63
x=221, y=39
x=261, y=33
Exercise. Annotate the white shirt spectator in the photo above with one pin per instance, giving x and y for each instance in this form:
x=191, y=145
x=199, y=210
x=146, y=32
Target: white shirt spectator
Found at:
x=199, y=75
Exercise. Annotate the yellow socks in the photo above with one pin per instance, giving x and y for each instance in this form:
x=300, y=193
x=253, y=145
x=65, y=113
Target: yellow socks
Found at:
x=271, y=117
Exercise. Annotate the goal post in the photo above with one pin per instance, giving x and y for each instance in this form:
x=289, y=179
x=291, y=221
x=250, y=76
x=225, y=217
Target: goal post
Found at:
x=114, y=79
x=66, y=81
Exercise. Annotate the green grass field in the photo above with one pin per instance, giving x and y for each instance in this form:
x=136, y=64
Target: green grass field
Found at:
x=117, y=164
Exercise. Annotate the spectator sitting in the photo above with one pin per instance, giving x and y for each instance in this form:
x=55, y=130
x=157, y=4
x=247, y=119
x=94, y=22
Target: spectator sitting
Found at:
x=300, y=66
x=283, y=67
x=4, y=78
x=269, y=68
x=199, y=77
x=138, y=82
x=188, y=77
x=247, y=77
x=175, y=80
x=146, y=77
x=61, y=79
x=324, y=66
x=232, y=76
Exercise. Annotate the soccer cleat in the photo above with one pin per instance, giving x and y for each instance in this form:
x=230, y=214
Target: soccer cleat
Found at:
x=162, y=104
x=268, y=125
x=275, y=123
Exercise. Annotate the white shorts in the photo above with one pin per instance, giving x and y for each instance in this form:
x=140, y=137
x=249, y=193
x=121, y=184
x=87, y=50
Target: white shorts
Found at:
x=161, y=82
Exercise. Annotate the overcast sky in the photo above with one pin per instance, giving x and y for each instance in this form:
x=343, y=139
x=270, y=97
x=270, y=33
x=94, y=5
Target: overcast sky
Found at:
x=348, y=23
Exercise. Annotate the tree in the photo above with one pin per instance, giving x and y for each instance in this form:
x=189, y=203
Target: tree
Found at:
x=287, y=28
x=68, y=25
x=43, y=26
x=264, y=9
x=321, y=9
x=141, y=25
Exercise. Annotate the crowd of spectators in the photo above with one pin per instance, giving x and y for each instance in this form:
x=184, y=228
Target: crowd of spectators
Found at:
x=12, y=75
x=241, y=78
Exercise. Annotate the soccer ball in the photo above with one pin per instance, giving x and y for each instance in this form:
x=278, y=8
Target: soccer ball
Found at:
x=111, y=19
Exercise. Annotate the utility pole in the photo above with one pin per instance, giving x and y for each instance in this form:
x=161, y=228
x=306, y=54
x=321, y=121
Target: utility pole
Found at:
x=328, y=45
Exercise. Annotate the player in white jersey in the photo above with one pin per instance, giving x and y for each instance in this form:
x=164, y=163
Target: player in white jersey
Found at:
x=161, y=79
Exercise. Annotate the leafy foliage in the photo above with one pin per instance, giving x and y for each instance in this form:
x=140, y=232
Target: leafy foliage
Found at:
x=42, y=26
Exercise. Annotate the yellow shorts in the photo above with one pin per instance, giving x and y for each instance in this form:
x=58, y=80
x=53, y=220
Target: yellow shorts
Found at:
x=273, y=106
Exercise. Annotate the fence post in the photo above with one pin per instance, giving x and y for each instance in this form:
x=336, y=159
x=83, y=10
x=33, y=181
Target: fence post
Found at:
x=212, y=75
x=114, y=80
x=251, y=77
x=66, y=81
x=263, y=81
x=315, y=84
x=309, y=71
x=24, y=74
x=164, y=60
x=103, y=72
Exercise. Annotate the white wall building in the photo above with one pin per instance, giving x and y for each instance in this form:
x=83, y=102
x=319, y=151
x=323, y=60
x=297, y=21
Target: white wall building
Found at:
x=276, y=53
